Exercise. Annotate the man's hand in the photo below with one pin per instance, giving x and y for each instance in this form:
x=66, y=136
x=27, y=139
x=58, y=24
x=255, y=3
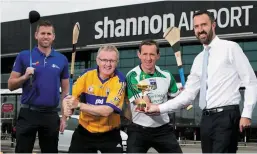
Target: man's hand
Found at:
x=152, y=109
x=62, y=123
x=66, y=108
x=145, y=100
x=181, y=89
x=244, y=123
x=69, y=103
x=28, y=73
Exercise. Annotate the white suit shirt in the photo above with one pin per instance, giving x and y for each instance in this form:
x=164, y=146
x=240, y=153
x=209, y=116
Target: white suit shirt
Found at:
x=228, y=69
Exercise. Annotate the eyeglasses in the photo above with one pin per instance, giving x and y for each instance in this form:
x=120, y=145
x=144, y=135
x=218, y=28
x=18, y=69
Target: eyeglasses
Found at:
x=107, y=60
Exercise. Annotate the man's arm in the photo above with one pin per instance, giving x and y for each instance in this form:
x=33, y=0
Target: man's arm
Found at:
x=65, y=90
x=114, y=102
x=16, y=80
x=188, y=95
x=65, y=82
x=96, y=110
x=77, y=90
x=70, y=102
x=248, y=79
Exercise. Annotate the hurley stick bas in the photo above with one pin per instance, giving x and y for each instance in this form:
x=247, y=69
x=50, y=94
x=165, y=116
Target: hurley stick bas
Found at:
x=172, y=35
x=75, y=36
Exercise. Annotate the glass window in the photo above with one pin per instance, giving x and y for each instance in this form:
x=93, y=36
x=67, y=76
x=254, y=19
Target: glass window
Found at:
x=169, y=51
x=188, y=59
x=192, y=49
x=127, y=63
x=254, y=65
x=250, y=46
x=172, y=69
x=93, y=63
x=187, y=68
x=161, y=61
x=171, y=60
x=162, y=51
x=125, y=70
x=128, y=54
x=93, y=55
x=252, y=56
x=137, y=61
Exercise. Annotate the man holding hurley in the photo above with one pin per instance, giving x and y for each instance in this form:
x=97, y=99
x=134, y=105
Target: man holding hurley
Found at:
x=102, y=91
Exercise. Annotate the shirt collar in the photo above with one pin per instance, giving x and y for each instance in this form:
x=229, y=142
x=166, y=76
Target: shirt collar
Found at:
x=52, y=53
x=147, y=73
x=213, y=42
x=113, y=74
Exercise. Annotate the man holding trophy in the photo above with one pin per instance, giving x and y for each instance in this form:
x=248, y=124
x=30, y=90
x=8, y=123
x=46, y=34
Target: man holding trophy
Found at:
x=147, y=83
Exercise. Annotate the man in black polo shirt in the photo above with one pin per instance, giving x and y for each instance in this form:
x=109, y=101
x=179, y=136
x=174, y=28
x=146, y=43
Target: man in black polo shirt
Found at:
x=39, y=101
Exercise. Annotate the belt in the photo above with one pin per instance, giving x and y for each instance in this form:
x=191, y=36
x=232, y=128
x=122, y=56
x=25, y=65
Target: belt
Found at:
x=149, y=128
x=39, y=108
x=208, y=112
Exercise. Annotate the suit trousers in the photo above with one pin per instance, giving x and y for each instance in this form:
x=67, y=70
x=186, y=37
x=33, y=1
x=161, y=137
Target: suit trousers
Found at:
x=220, y=131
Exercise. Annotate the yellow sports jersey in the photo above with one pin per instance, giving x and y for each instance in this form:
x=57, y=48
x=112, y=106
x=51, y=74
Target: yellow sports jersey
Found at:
x=91, y=89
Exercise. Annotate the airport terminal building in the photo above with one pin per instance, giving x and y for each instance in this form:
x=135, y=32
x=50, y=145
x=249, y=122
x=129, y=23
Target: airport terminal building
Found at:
x=126, y=27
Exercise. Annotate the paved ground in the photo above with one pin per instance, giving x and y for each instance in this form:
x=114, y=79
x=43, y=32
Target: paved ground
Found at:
x=189, y=147
x=197, y=149
x=6, y=147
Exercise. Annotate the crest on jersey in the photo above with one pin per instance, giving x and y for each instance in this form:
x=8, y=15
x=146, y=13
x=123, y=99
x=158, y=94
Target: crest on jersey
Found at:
x=90, y=89
x=115, y=101
x=153, y=84
x=107, y=91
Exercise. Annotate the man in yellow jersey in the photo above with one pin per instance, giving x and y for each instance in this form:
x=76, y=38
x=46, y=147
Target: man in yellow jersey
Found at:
x=101, y=91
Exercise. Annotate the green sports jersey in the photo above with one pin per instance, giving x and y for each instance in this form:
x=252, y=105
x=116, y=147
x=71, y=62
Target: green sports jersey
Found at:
x=162, y=84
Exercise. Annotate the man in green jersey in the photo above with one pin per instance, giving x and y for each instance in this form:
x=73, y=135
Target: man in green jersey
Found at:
x=148, y=131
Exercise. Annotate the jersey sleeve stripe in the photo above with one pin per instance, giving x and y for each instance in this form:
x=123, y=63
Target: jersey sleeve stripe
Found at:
x=115, y=108
x=130, y=86
x=121, y=90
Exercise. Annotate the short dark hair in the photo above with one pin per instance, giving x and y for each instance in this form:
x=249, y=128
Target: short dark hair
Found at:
x=149, y=42
x=46, y=23
x=209, y=14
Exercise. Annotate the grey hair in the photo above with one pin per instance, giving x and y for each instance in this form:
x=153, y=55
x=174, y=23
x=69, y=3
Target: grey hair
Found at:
x=109, y=48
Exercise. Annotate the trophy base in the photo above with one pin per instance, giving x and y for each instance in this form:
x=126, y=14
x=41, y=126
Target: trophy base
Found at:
x=140, y=108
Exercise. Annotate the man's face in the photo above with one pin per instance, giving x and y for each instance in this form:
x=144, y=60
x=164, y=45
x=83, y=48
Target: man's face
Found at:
x=148, y=56
x=203, y=28
x=45, y=36
x=107, y=62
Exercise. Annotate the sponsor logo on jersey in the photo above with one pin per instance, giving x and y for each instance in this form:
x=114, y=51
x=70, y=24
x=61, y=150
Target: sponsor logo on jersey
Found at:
x=99, y=101
x=36, y=63
x=55, y=66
